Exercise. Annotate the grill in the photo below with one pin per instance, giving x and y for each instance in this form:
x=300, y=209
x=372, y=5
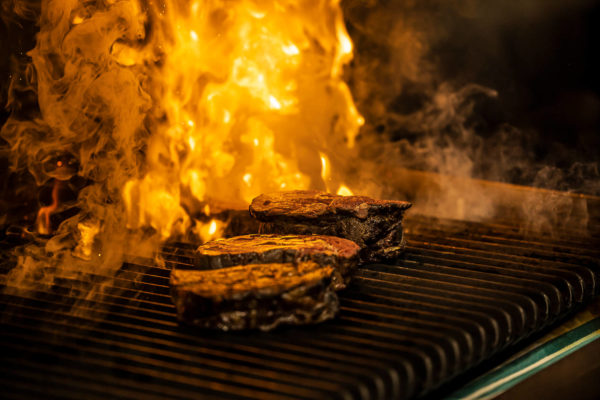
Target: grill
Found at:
x=463, y=292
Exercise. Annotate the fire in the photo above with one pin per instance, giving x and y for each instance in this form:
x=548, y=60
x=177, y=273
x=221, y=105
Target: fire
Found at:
x=87, y=231
x=166, y=110
x=209, y=231
x=169, y=107
x=325, y=173
x=43, y=223
x=344, y=191
x=250, y=96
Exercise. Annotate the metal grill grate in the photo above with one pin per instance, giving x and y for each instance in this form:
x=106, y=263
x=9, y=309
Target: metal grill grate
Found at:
x=463, y=292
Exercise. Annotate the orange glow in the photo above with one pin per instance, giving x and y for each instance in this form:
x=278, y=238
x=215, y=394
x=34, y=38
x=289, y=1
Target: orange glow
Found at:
x=43, y=222
x=212, y=228
x=209, y=231
x=344, y=191
x=252, y=96
x=324, y=167
x=87, y=234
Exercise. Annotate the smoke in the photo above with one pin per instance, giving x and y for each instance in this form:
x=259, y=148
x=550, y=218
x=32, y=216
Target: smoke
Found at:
x=438, y=84
x=82, y=129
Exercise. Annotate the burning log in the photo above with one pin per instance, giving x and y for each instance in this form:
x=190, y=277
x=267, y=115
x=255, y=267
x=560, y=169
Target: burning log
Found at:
x=375, y=225
x=259, y=296
x=339, y=253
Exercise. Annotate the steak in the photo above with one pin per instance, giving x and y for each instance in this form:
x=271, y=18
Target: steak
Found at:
x=339, y=253
x=375, y=225
x=258, y=296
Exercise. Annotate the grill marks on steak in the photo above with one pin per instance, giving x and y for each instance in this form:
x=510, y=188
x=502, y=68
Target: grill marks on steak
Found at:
x=340, y=253
x=309, y=247
x=375, y=225
x=255, y=296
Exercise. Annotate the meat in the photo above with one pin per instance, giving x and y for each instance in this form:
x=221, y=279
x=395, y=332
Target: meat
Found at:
x=339, y=253
x=258, y=296
x=308, y=248
x=375, y=225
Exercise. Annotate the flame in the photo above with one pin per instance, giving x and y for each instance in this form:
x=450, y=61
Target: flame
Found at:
x=43, y=222
x=209, y=231
x=344, y=191
x=324, y=167
x=166, y=107
x=87, y=231
x=250, y=93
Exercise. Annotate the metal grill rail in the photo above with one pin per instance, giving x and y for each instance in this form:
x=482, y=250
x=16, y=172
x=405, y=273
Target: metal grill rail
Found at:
x=462, y=293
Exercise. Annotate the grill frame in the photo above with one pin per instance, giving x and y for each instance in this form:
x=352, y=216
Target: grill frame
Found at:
x=464, y=294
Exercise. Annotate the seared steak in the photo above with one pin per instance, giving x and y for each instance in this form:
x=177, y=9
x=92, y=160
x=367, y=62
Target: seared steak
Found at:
x=258, y=296
x=375, y=225
x=340, y=253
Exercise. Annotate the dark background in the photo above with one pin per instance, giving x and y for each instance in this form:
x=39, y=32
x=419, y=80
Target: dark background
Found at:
x=540, y=56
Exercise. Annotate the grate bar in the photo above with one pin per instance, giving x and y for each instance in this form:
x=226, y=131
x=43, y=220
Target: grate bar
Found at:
x=463, y=292
x=577, y=275
x=356, y=368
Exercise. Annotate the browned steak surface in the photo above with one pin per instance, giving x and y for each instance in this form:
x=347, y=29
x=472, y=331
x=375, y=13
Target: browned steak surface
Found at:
x=375, y=225
x=257, y=296
x=340, y=253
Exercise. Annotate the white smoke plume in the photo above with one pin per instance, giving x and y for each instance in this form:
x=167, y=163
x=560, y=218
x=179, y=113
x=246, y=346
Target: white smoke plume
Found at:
x=413, y=80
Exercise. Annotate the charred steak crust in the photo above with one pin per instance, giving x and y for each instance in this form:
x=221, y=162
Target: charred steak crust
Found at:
x=375, y=225
x=340, y=253
x=258, y=296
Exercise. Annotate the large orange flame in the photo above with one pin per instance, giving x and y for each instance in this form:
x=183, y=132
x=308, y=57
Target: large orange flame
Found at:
x=169, y=109
x=250, y=95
